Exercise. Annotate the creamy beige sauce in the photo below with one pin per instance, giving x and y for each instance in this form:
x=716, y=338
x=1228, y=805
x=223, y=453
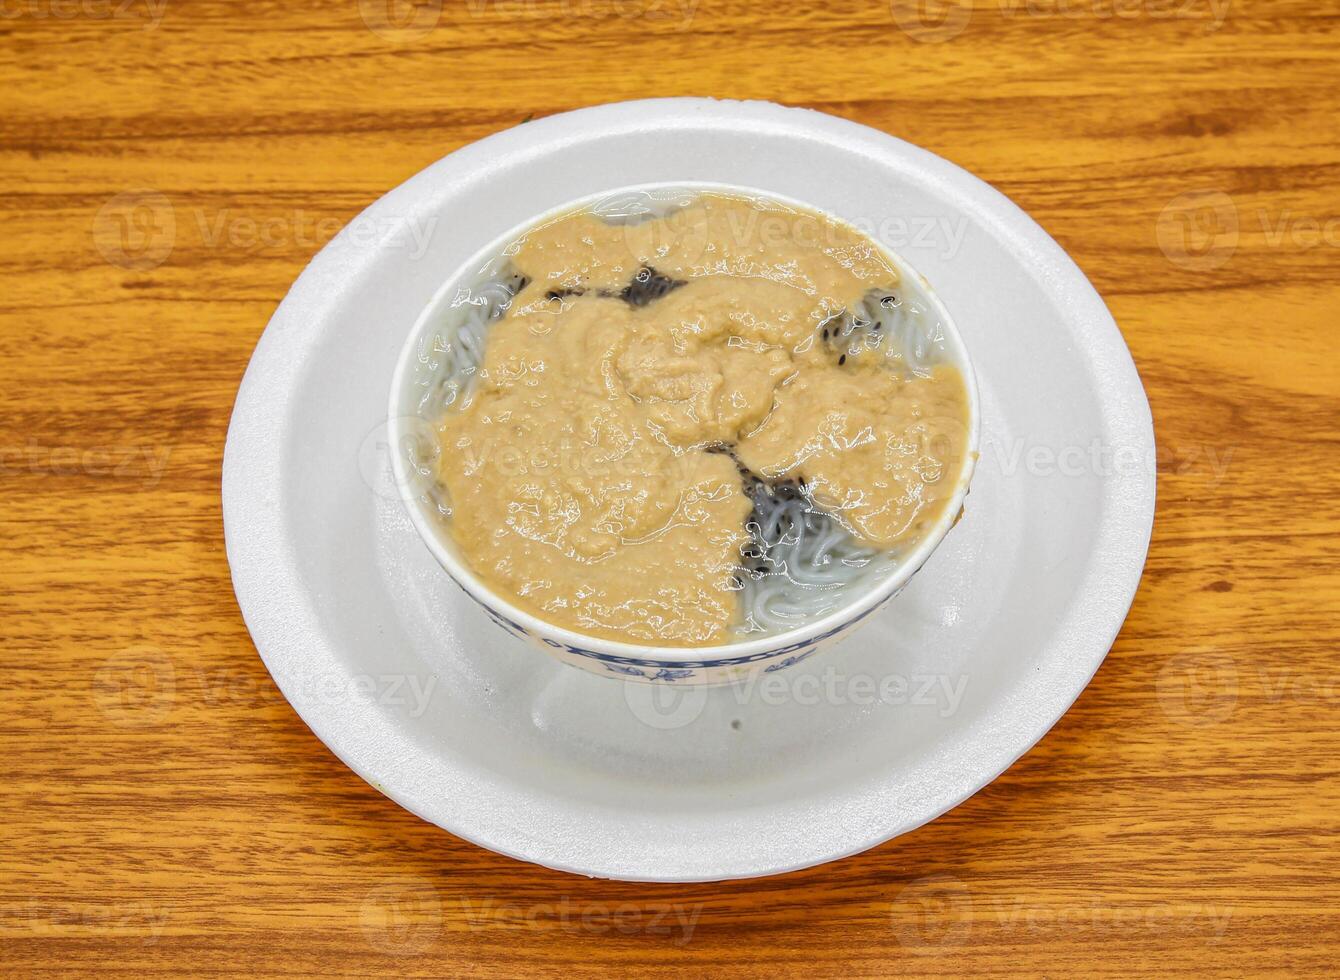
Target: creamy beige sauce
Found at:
x=579, y=470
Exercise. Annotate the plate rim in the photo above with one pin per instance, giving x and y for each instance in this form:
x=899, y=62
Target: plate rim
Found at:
x=252, y=456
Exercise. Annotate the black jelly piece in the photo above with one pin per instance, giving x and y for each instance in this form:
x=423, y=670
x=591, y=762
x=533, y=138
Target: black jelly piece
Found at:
x=761, y=492
x=646, y=286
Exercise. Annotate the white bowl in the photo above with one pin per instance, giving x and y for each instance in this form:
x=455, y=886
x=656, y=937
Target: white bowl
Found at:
x=409, y=431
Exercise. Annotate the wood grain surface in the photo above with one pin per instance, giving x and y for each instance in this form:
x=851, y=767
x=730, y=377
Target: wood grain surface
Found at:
x=166, y=812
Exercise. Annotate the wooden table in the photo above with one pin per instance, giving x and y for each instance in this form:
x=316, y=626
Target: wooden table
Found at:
x=167, y=172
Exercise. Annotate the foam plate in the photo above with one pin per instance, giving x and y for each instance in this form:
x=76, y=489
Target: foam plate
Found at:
x=419, y=693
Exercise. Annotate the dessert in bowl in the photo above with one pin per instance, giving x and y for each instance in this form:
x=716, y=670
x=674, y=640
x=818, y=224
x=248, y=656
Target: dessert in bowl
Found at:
x=683, y=433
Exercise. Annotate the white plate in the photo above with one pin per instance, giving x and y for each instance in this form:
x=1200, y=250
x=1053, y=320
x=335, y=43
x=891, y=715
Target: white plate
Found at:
x=407, y=681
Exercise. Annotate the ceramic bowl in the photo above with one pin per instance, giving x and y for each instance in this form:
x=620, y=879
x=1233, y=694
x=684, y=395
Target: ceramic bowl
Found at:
x=411, y=440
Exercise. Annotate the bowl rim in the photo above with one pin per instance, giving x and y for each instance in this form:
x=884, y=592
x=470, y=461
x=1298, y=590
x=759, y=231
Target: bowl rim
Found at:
x=727, y=654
